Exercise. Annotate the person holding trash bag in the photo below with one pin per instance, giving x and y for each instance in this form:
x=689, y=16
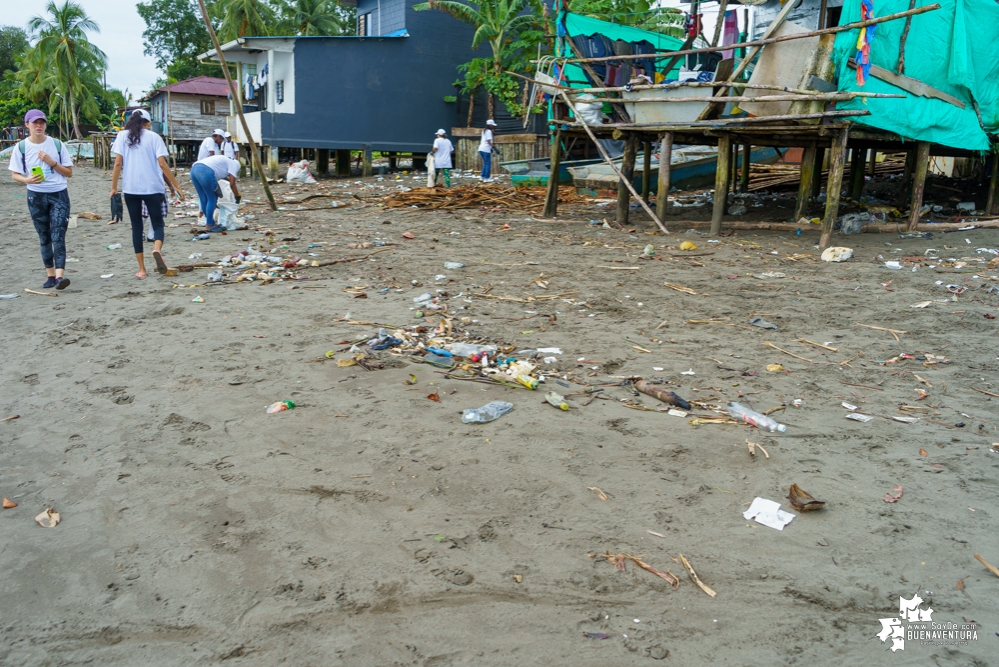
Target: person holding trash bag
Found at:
x=43, y=164
x=140, y=159
x=205, y=175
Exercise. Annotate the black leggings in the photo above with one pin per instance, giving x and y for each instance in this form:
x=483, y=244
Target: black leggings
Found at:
x=154, y=205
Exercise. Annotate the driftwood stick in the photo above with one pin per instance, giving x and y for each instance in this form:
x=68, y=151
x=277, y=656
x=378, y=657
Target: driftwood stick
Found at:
x=824, y=97
x=760, y=42
x=791, y=354
x=991, y=568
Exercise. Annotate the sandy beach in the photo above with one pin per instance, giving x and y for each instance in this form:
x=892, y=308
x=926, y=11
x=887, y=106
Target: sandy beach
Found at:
x=370, y=526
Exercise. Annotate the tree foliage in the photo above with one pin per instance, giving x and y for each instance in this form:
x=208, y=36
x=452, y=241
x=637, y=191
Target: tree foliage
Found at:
x=13, y=45
x=315, y=17
x=636, y=13
x=175, y=35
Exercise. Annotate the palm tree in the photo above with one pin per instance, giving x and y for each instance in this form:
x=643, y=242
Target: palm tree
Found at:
x=63, y=58
x=315, y=17
x=495, y=21
x=242, y=18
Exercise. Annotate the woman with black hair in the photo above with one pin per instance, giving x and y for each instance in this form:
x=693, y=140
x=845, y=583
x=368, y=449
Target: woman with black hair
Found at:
x=140, y=157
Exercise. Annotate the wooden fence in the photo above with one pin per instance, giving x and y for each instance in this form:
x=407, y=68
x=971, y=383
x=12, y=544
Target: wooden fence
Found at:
x=510, y=146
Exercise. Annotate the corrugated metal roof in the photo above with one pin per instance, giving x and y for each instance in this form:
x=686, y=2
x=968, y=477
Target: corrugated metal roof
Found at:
x=199, y=85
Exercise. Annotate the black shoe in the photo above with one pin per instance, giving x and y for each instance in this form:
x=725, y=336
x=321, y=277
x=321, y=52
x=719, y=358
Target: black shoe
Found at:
x=62, y=283
x=50, y=283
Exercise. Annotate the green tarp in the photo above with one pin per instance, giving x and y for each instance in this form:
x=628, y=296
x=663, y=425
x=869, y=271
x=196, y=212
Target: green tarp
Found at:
x=954, y=49
x=585, y=26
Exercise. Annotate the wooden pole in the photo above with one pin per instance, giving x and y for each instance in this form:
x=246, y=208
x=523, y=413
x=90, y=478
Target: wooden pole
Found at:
x=721, y=183
x=857, y=166
x=734, y=167
x=747, y=153
x=901, y=42
x=173, y=144
x=763, y=41
x=834, y=186
x=820, y=159
x=920, y=168
x=993, y=183
x=905, y=187
x=551, y=196
x=323, y=161
x=665, y=157
x=365, y=162
x=627, y=175
x=722, y=5
x=872, y=163
x=646, y=169
x=239, y=108
x=808, y=174
x=613, y=166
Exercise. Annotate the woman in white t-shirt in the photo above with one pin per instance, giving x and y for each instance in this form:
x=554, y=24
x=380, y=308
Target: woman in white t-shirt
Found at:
x=140, y=158
x=44, y=166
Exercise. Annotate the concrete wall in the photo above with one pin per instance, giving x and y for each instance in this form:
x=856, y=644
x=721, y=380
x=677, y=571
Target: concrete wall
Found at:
x=378, y=94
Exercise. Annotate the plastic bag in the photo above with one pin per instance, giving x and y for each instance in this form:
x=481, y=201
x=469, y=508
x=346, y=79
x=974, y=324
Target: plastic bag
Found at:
x=431, y=170
x=298, y=172
x=227, y=211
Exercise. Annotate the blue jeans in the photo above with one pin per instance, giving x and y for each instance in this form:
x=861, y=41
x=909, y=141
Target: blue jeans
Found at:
x=203, y=178
x=487, y=163
x=50, y=215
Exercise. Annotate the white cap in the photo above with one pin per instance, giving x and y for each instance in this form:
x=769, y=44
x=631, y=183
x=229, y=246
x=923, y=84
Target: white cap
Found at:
x=440, y=132
x=143, y=113
x=491, y=122
x=218, y=132
x=227, y=135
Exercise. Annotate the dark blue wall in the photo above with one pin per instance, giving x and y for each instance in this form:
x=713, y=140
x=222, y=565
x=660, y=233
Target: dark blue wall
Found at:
x=378, y=94
x=393, y=14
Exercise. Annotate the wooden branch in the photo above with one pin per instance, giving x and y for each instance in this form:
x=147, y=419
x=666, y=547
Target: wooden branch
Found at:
x=823, y=97
x=812, y=342
x=664, y=127
x=791, y=354
x=991, y=568
x=901, y=42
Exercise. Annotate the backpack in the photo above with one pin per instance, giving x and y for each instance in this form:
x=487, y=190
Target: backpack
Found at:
x=24, y=159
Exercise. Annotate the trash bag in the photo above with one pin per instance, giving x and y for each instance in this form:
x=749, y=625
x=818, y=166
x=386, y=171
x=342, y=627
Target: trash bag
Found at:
x=852, y=223
x=298, y=172
x=589, y=110
x=227, y=211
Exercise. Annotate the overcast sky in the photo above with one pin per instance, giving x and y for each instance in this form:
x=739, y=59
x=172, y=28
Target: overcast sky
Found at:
x=120, y=38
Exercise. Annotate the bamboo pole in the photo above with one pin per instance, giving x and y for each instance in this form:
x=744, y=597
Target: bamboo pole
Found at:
x=646, y=169
x=993, y=183
x=834, y=186
x=239, y=108
x=627, y=174
x=721, y=183
x=551, y=195
x=805, y=187
x=920, y=166
x=664, y=127
x=761, y=42
x=613, y=166
x=665, y=158
x=747, y=156
x=823, y=97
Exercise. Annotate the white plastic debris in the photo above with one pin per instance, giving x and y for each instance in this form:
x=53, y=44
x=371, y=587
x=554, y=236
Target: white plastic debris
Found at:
x=768, y=513
x=837, y=254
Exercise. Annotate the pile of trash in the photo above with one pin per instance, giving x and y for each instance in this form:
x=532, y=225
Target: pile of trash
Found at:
x=254, y=265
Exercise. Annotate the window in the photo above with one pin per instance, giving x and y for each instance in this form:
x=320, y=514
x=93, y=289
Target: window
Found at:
x=279, y=91
x=207, y=107
x=364, y=25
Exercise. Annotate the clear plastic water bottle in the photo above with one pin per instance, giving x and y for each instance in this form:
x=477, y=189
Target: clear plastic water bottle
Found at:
x=453, y=265
x=114, y=246
x=487, y=413
x=739, y=411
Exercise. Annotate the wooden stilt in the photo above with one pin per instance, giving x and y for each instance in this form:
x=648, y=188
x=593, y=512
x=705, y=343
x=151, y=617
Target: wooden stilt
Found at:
x=662, y=191
x=857, y=166
x=834, y=186
x=905, y=187
x=323, y=161
x=872, y=162
x=627, y=174
x=365, y=162
x=646, y=169
x=551, y=196
x=805, y=187
x=919, y=169
x=721, y=182
x=733, y=168
x=342, y=162
x=393, y=161
x=747, y=152
x=820, y=159
x=993, y=183
x=272, y=162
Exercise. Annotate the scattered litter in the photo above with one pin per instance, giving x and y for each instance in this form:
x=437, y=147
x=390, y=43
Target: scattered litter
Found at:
x=664, y=395
x=693, y=576
x=690, y=372
x=9, y=504
x=857, y=417
x=753, y=418
x=774, y=368
x=4, y=297
x=688, y=245
x=802, y=500
x=893, y=265
x=107, y=275
x=556, y=400
x=769, y=274
x=597, y=635
x=487, y=413
x=600, y=493
x=280, y=406
x=620, y=562
x=762, y=323
x=48, y=519
x=921, y=304
x=849, y=406
x=197, y=299
x=768, y=513
x=893, y=495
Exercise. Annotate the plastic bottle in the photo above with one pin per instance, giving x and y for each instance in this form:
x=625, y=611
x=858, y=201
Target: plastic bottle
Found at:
x=453, y=265
x=467, y=350
x=486, y=413
x=114, y=246
x=761, y=422
x=280, y=406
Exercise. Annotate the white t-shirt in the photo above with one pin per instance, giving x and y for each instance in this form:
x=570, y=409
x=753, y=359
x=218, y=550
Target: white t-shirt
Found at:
x=230, y=149
x=209, y=147
x=221, y=165
x=54, y=181
x=140, y=169
x=487, y=135
x=442, y=153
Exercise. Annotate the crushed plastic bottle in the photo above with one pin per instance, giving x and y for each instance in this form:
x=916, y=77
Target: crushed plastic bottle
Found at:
x=453, y=265
x=467, y=350
x=762, y=422
x=280, y=406
x=215, y=276
x=114, y=246
x=487, y=413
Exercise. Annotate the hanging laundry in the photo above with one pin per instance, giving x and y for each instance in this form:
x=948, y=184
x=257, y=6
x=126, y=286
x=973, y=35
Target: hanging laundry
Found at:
x=864, y=42
x=730, y=33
